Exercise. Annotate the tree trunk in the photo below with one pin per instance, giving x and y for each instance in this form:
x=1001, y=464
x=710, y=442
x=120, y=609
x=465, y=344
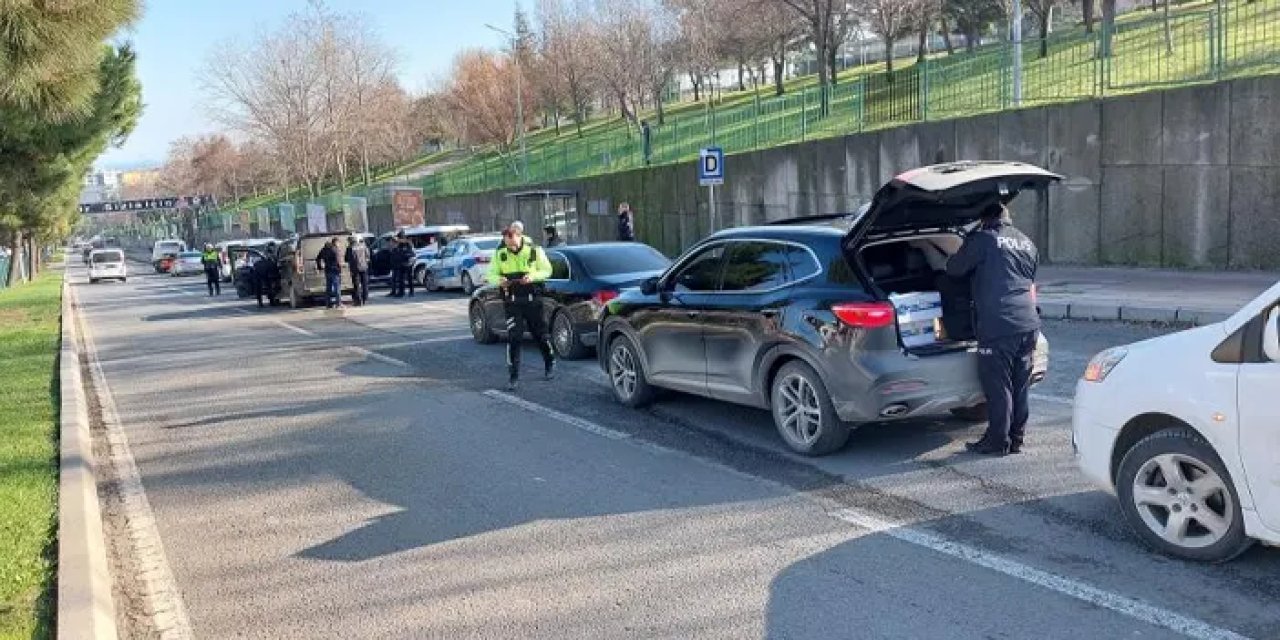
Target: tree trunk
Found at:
x=662, y=115
x=697, y=86
x=970, y=39
x=778, y=67
x=1086, y=7
x=1044, y=36
x=832, y=56
x=946, y=36
x=15, y=255
x=1168, y=29
x=742, y=71
x=921, y=44
x=1155, y=6
x=888, y=59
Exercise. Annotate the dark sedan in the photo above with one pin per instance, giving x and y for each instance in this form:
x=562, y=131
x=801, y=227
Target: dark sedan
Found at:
x=583, y=279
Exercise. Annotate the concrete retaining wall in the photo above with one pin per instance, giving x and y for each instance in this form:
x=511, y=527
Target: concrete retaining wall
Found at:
x=1182, y=178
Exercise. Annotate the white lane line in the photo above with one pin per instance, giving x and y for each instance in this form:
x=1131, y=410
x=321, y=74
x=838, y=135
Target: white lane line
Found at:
x=295, y=329
x=1082, y=591
x=1131, y=607
x=411, y=343
x=163, y=598
x=573, y=421
x=378, y=356
x=1043, y=397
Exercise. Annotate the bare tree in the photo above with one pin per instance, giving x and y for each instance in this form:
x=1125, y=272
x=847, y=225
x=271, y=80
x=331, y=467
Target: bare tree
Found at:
x=1043, y=11
x=482, y=90
x=637, y=51
x=890, y=20
x=566, y=53
x=703, y=34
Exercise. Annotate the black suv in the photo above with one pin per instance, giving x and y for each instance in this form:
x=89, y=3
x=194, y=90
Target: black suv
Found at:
x=813, y=318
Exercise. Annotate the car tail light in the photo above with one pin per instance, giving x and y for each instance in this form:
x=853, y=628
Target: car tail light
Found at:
x=603, y=297
x=865, y=315
x=481, y=258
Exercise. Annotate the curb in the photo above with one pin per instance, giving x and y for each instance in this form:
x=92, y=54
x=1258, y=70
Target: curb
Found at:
x=86, y=609
x=1125, y=313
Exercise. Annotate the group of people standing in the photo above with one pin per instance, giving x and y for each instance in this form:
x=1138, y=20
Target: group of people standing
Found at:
x=358, y=258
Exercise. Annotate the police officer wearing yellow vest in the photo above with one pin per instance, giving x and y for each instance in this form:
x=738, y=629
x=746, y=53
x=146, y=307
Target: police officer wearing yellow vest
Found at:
x=520, y=268
x=211, y=260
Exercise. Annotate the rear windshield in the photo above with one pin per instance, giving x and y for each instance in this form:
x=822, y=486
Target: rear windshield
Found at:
x=102, y=258
x=487, y=245
x=608, y=261
x=168, y=246
x=189, y=254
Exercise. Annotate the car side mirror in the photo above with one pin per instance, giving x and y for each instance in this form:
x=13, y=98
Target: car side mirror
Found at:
x=649, y=287
x=1271, y=335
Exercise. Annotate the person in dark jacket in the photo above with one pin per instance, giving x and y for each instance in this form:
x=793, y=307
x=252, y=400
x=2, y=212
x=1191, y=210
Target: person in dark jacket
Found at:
x=553, y=237
x=266, y=275
x=358, y=262
x=626, y=224
x=407, y=258
x=327, y=262
x=1000, y=263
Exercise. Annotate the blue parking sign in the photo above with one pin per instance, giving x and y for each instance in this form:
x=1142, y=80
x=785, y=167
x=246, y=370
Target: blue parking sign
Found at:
x=711, y=166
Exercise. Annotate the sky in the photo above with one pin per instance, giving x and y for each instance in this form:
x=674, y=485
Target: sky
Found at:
x=174, y=38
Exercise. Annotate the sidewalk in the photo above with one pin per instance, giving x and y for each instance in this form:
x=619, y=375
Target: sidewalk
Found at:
x=1147, y=295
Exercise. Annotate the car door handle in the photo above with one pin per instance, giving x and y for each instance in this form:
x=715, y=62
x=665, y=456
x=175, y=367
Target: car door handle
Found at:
x=692, y=314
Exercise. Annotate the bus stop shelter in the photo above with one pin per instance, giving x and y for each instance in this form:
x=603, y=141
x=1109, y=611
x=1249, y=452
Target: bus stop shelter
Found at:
x=550, y=208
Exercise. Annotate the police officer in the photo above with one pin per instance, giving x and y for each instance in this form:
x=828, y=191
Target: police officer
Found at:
x=265, y=275
x=519, y=268
x=212, y=263
x=1001, y=264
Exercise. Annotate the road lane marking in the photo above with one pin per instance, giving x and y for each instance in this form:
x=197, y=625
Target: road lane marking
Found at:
x=378, y=356
x=1076, y=589
x=573, y=421
x=295, y=329
x=412, y=343
x=163, y=598
x=1044, y=397
x=1131, y=607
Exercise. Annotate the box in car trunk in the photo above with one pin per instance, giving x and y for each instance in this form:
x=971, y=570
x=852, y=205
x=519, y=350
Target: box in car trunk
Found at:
x=910, y=272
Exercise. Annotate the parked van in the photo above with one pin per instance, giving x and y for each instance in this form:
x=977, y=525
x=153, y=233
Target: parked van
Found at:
x=164, y=249
x=300, y=280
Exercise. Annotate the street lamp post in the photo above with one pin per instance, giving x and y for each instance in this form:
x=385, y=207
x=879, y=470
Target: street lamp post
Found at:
x=515, y=55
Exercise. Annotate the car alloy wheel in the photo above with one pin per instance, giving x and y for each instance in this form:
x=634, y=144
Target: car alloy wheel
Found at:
x=623, y=371
x=468, y=287
x=565, y=339
x=429, y=280
x=480, y=325
x=1183, y=501
x=800, y=410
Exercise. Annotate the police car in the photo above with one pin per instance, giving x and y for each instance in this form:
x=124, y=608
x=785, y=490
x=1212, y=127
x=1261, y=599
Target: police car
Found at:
x=462, y=264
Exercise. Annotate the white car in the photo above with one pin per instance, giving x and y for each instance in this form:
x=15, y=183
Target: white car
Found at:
x=1183, y=429
x=163, y=249
x=462, y=264
x=107, y=264
x=189, y=263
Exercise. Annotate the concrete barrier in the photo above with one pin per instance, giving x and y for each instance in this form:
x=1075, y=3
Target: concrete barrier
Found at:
x=86, y=609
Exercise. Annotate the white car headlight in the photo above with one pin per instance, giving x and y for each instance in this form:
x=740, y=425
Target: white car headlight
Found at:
x=1102, y=364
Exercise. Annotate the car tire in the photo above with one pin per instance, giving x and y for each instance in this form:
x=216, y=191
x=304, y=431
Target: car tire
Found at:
x=468, y=287
x=976, y=414
x=480, y=329
x=429, y=281
x=626, y=374
x=420, y=275
x=565, y=339
x=803, y=413
x=1149, y=499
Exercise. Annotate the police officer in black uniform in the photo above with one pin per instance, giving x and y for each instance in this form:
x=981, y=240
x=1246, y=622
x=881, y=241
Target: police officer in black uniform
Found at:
x=266, y=275
x=1001, y=264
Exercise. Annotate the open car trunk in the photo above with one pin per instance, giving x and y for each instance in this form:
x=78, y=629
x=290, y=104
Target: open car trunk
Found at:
x=934, y=311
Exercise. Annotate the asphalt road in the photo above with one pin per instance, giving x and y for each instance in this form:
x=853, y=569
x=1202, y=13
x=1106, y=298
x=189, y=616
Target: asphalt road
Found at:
x=315, y=474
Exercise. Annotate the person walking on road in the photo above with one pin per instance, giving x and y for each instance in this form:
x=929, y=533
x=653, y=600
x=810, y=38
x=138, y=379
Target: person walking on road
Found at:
x=1000, y=263
x=265, y=275
x=519, y=267
x=408, y=258
x=358, y=262
x=626, y=224
x=327, y=262
x=212, y=262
